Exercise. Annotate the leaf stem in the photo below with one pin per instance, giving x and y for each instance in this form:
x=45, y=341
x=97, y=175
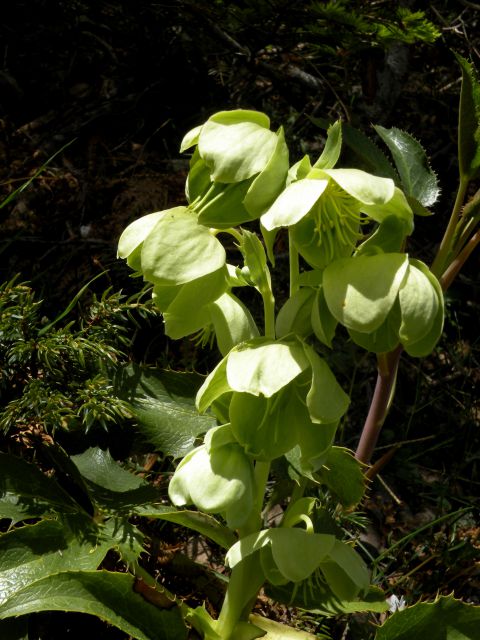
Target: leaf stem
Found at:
x=269, y=313
x=387, y=368
x=454, y=267
x=439, y=263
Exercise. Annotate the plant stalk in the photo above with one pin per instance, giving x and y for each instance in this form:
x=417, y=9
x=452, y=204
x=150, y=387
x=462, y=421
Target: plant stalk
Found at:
x=386, y=376
x=294, y=265
x=454, y=267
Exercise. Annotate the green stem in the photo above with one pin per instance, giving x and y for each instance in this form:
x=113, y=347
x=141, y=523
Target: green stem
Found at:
x=440, y=262
x=454, y=267
x=269, y=313
x=294, y=265
x=197, y=204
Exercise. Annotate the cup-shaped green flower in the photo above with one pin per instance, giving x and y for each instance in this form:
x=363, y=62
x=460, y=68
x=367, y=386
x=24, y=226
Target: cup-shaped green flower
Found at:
x=325, y=210
x=282, y=395
x=216, y=477
x=385, y=300
x=238, y=168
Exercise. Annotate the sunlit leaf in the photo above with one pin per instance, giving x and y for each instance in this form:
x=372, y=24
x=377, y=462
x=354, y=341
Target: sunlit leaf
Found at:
x=332, y=149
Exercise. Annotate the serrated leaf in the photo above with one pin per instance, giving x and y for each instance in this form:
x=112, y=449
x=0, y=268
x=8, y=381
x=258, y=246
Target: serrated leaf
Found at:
x=32, y=552
x=365, y=149
x=418, y=179
x=25, y=492
x=344, y=476
x=468, y=121
x=164, y=406
x=443, y=619
x=109, y=596
x=98, y=466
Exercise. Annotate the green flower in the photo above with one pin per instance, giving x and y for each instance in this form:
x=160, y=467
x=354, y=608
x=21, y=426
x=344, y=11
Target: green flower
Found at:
x=216, y=477
x=385, y=300
x=326, y=208
x=238, y=167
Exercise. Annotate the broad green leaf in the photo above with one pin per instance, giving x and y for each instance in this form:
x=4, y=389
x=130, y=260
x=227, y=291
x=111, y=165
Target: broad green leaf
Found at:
x=179, y=250
x=202, y=523
x=326, y=400
x=164, y=406
x=26, y=492
x=418, y=304
x=469, y=121
x=344, y=476
x=98, y=466
x=315, y=595
x=295, y=315
x=444, y=619
x=136, y=232
x=418, y=179
x=277, y=631
x=109, y=596
x=270, y=181
x=32, y=552
x=361, y=291
x=293, y=203
x=332, y=149
x=264, y=368
x=236, y=145
x=232, y=321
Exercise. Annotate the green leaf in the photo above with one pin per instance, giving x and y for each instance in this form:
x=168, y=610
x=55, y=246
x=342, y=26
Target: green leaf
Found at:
x=214, y=386
x=344, y=476
x=361, y=291
x=418, y=179
x=383, y=339
x=109, y=596
x=223, y=205
x=322, y=321
x=468, y=121
x=32, y=552
x=98, y=466
x=277, y=631
x=136, y=233
x=256, y=261
x=164, y=405
x=25, y=492
x=315, y=595
x=203, y=523
x=179, y=250
x=345, y=571
x=190, y=138
x=444, y=619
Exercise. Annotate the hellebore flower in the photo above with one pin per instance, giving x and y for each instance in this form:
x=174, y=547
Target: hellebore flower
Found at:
x=238, y=167
x=216, y=477
x=384, y=300
x=324, y=210
x=283, y=394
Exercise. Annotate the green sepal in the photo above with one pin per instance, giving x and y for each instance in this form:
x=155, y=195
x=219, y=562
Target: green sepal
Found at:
x=322, y=321
x=345, y=571
x=255, y=261
x=333, y=146
x=388, y=237
x=343, y=475
x=198, y=179
x=295, y=315
x=232, y=321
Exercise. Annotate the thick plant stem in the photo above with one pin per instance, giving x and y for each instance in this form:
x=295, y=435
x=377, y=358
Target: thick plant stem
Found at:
x=384, y=388
x=452, y=270
x=243, y=586
x=269, y=313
